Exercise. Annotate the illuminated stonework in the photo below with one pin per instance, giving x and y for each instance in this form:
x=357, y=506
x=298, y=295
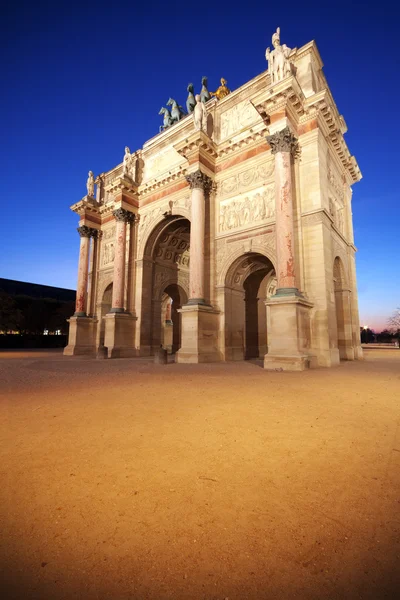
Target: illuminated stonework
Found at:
x=228, y=241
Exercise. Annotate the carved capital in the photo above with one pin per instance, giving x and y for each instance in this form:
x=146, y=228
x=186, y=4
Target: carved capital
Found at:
x=85, y=231
x=283, y=141
x=199, y=180
x=123, y=215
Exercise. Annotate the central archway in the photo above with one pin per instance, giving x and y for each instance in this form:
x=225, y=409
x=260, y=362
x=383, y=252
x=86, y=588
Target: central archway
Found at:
x=165, y=282
x=250, y=280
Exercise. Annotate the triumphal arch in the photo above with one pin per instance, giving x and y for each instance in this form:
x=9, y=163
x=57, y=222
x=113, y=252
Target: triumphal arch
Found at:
x=228, y=235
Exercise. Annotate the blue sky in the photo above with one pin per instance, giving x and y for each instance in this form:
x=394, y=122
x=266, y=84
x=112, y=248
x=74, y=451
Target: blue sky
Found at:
x=82, y=80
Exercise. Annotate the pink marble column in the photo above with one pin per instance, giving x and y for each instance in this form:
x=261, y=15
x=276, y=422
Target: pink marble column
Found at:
x=284, y=145
x=200, y=184
x=122, y=217
x=83, y=268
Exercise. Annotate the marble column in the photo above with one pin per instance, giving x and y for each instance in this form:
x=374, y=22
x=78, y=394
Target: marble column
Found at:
x=122, y=217
x=284, y=146
x=83, y=269
x=200, y=184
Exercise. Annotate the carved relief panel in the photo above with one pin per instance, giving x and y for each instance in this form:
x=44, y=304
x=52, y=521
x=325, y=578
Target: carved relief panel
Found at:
x=245, y=211
x=237, y=118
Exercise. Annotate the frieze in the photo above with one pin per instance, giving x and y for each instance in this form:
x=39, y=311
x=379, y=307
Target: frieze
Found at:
x=245, y=211
x=109, y=233
x=108, y=253
x=235, y=184
x=237, y=118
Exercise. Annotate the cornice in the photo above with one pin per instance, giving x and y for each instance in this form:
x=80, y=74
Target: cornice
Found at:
x=86, y=205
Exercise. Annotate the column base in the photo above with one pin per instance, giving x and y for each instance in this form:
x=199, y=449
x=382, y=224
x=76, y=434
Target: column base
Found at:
x=200, y=325
x=289, y=338
x=358, y=353
x=119, y=336
x=81, y=338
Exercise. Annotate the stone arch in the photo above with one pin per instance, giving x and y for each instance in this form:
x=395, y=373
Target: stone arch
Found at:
x=165, y=262
x=248, y=280
x=148, y=237
x=342, y=295
x=239, y=252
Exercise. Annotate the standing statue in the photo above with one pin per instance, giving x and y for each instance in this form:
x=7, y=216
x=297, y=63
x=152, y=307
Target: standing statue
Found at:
x=222, y=91
x=90, y=184
x=190, y=102
x=200, y=115
x=167, y=122
x=126, y=169
x=278, y=59
x=176, y=110
x=205, y=94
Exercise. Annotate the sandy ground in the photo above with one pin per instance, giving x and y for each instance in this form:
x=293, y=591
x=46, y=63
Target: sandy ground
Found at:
x=123, y=479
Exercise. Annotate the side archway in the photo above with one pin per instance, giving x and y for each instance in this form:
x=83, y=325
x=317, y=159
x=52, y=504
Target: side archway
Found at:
x=343, y=310
x=249, y=281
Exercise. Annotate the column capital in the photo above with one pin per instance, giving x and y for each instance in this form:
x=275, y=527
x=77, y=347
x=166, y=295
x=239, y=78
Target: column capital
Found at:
x=85, y=231
x=283, y=141
x=123, y=215
x=199, y=180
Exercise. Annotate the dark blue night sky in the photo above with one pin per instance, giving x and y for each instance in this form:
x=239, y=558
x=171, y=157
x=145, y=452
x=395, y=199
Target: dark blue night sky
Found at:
x=82, y=80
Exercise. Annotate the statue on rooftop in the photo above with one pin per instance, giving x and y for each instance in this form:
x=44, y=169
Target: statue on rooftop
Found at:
x=177, y=113
x=222, y=91
x=127, y=163
x=278, y=60
x=190, y=102
x=205, y=94
x=200, y=115
x=167, y=122
x=90, y=184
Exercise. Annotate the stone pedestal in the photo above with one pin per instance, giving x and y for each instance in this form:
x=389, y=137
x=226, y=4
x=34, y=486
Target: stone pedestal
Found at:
x=119, y=336
x=289, y=335
x=199, y=334
x=81, y=339
x=168, y=336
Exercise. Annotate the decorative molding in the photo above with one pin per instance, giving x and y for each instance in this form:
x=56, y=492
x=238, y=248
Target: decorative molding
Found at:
x=283, y=141
x=240, y=182
x=199, y=180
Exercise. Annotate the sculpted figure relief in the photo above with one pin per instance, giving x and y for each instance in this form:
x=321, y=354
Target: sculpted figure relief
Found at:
x=200, y=115
x=90, y=184
x=245, y=212
x=278, y=59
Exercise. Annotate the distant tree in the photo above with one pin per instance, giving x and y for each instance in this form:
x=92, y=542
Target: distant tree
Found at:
x=385, y=336
x=394, y=321
x=367, y=335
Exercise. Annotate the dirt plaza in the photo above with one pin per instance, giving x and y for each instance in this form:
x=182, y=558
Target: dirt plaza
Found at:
x=129, y=480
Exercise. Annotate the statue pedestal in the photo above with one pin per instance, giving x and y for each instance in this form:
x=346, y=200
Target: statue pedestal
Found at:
x=119, y=335
x=81, y=338
x=289, y=336
x=199, y=334
x=168, y=336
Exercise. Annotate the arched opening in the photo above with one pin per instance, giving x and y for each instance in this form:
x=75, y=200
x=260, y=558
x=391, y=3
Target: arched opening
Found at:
x=165, y=284
x=105, y=307
x=249, y=282
x=173, y=298
x=343, y=311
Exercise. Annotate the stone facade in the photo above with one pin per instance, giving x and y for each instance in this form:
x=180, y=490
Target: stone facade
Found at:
x=231, y=241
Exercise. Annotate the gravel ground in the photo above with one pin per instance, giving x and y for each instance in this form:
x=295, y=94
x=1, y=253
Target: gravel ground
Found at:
x=121, y=479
